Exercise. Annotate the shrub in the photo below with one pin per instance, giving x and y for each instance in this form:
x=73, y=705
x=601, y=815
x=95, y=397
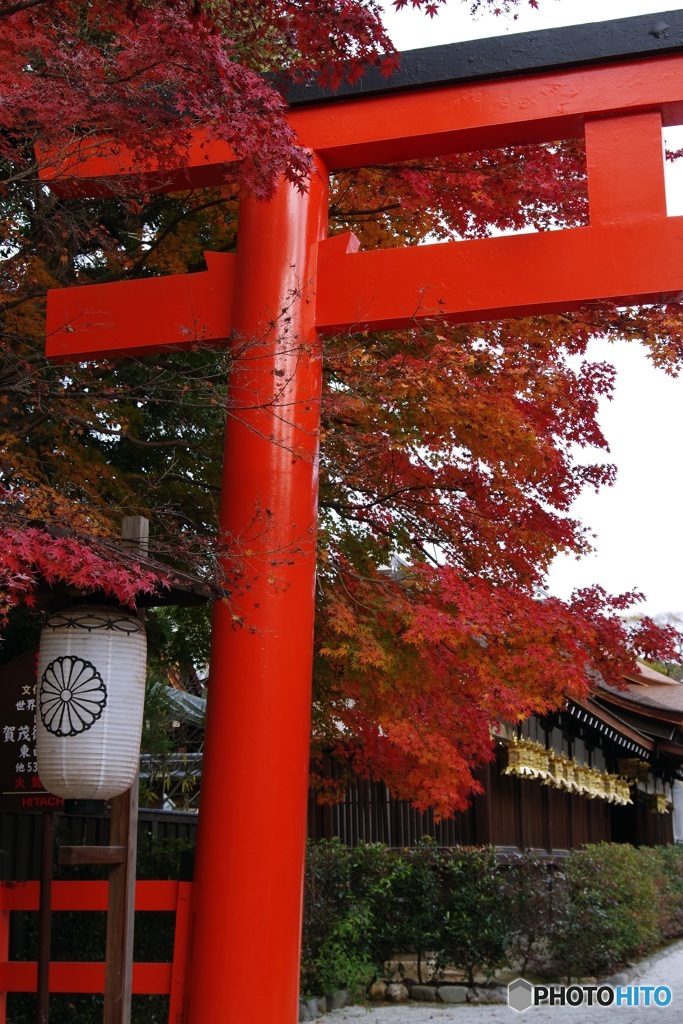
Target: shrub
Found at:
x=347, y=891
x=344, y=960
x=530, y=884
x=417, y=891
x=476, y=930
x=607, y=909
x=374, y=875
x=393, y=897
x=598, y=908
x=669, y=861
x=327, y=899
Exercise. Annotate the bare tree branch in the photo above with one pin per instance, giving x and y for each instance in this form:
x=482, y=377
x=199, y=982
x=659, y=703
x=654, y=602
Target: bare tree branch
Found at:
x=24, y=5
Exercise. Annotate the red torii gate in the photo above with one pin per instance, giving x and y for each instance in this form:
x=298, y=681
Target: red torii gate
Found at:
x=287, y=286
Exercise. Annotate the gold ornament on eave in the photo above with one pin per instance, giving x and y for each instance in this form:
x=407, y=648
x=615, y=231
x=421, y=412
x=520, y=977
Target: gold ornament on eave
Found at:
x=527, y=759
x=659, y=804
x=530, y=760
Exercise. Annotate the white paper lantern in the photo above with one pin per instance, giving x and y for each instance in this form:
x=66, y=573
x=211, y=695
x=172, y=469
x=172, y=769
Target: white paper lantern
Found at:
x=91, y=693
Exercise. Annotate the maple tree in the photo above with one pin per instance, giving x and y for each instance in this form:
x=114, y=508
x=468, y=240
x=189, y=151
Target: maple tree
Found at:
x=455, y=447
x=447, y=452
x=146, y=73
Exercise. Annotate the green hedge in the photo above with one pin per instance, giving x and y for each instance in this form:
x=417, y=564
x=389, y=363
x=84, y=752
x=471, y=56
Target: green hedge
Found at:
x=367, y=909
x=607, y=911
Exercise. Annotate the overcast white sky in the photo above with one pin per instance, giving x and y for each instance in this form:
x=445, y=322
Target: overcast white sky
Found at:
x=637, y=523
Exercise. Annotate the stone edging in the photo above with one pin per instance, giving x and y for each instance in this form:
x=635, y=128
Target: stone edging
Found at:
x=454, y=994
x=633, y=971
x=398, y=993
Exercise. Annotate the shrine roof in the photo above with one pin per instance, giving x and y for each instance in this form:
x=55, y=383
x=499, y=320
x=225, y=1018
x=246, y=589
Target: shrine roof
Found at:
x=649, y=692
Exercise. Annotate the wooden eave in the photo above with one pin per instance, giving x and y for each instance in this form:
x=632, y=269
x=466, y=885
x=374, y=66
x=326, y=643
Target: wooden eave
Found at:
x=669, y=748
x=615, y=723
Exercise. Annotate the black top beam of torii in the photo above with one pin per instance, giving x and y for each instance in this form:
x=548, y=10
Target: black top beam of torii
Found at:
x=549, y=85
x=517, y=53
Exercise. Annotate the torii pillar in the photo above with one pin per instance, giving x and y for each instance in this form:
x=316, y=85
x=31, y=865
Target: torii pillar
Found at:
x=288, y=285
x=257, y=731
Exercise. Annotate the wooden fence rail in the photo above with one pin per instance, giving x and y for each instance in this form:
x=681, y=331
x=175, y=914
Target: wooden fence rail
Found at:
x=86, y=977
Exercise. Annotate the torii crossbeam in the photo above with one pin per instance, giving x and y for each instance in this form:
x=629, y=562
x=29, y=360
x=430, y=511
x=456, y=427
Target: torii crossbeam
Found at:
x=615, y=85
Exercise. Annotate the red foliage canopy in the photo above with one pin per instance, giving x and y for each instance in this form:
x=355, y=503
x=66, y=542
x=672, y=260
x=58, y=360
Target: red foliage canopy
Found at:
x=32, y=557
x=447, y=451
x=148, y=71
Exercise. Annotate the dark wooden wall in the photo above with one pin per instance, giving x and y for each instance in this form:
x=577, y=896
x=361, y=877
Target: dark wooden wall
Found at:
x=370, y=814
x=513, y=814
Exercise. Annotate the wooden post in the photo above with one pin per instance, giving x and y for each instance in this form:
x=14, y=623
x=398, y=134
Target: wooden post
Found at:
x=120, y=856
x=135, y=534
x=121, y=909
x=4, y=956
x=481, y=807
x=44, y=919
x=123, y=833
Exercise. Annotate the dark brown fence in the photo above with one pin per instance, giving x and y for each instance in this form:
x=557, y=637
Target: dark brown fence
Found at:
x=20, y=835
x=368, y=813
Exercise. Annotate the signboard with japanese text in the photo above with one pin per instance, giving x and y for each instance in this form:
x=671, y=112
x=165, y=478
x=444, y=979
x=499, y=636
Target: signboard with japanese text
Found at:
x=20, y=785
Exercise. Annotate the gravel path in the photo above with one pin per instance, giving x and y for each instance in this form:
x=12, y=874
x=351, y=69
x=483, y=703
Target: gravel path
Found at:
x=665, y=969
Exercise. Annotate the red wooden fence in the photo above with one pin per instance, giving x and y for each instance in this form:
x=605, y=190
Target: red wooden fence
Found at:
x=78, y=977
